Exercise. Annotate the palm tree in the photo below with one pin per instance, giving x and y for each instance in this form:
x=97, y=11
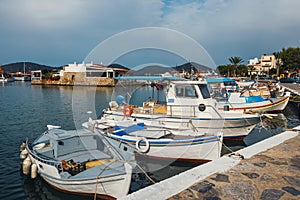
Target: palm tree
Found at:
x=278, y=62
x=235, y=61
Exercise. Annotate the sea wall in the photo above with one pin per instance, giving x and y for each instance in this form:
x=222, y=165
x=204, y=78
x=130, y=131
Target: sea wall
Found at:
x=78, y=79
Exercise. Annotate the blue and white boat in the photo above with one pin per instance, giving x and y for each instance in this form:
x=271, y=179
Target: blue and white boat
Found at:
x=161, y=143
x=81, y=162
x=246, y=100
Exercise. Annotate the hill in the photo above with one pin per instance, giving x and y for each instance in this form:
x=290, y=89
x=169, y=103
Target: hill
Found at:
x=149, y=70
x=19, y=67
x=192, y=66
x=117, y=66
x=155, y=69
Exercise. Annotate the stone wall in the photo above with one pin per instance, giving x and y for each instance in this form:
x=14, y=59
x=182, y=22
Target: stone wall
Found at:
x=77, y=78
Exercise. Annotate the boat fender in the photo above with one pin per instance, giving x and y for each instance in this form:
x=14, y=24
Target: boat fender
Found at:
x=201, y=107
x=26, y=166
x=23, y=154
x=142, y=149
x=22, y=147
x=127, y=111
x=39, y=146
x=33, y=171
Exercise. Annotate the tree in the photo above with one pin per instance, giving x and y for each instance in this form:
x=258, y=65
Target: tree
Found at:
x=278, y=62
x=242, y=70
x=224, y=70
x=290, y=58
x=235, y=61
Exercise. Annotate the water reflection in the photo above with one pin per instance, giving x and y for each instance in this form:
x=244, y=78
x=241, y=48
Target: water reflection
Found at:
x=39, y=189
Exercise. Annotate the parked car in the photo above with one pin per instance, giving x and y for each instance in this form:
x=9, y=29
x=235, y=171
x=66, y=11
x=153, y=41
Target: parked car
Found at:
x=287, y=80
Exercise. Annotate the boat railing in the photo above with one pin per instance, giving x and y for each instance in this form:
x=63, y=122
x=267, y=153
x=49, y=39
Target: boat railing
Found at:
x=194, y=109
x=48, y=162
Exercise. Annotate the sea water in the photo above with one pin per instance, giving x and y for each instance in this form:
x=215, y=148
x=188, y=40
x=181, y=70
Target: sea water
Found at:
x=26, y=110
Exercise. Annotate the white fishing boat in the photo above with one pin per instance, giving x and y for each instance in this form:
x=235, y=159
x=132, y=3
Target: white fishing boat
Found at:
x=21, y=76
x=161, y=143
x=81, y=162
x=188, y=104
x=5, y=79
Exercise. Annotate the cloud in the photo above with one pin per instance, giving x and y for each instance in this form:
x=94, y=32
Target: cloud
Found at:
x=237, y=27
x=56, y=32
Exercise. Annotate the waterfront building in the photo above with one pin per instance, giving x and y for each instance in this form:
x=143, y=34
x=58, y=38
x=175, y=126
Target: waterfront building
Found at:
x=85, y=74
x=36, y=75
x=262, y=67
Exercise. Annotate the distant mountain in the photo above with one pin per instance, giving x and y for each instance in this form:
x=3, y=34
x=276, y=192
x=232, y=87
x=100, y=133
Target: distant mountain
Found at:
x=150, y=70
x=192, y=66
x=155, y=70
x=117, y=66
x=19, y=67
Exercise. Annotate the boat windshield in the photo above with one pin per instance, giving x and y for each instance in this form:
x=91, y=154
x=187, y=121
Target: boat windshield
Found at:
x=204, y=91
x=185, y=91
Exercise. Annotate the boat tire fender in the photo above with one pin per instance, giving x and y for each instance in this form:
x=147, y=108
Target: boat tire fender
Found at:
x=127, y=111
x=201, y=107
x=138, y=145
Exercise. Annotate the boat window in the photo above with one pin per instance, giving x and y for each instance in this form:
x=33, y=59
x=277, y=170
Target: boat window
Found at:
x=190, y=91
x=179, y=91
x=186, y=91
x=204, y=91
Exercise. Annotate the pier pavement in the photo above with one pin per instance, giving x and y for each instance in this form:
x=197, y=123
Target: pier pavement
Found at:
x=270, y=170
x=292, y=87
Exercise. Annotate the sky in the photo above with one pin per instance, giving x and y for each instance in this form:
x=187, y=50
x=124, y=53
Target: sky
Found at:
x=58, y=32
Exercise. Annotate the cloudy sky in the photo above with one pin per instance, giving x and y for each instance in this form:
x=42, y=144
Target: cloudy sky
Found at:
x=58, y=32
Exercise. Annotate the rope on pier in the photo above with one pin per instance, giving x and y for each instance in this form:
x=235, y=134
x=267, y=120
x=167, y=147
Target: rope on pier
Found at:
x=233, y=154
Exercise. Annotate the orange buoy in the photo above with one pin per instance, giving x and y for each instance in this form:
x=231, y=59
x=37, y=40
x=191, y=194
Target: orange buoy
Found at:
x=127, y=111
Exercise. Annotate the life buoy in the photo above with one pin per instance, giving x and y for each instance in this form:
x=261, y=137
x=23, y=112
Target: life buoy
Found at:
x=201, y=107
x=144, y=149
x=127, y=111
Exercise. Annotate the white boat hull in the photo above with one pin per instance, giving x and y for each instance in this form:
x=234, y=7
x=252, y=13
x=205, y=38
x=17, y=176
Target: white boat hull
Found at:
x=231, y=127
x=202, y=149
x=105, y=187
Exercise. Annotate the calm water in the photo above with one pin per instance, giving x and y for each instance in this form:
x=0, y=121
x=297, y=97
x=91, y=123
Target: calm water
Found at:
x=26, y=110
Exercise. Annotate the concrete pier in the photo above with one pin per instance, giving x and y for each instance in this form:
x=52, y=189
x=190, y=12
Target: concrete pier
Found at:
x=292, y=87
x=270, y=170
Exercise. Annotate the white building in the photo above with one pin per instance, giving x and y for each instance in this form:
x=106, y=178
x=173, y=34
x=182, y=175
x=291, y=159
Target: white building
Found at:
x=91, y=70
x=262, y=66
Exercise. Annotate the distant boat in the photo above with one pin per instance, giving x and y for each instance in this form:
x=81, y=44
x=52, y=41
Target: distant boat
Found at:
x=4, y=78
x=21, y=76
